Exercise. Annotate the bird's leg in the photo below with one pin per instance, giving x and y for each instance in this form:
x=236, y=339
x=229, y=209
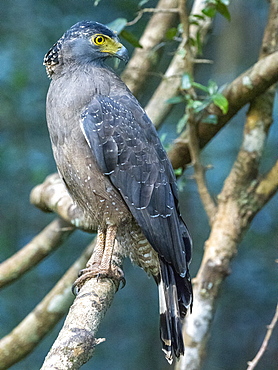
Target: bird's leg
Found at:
x=106, y=267
x=100, y=264
x=95, y=260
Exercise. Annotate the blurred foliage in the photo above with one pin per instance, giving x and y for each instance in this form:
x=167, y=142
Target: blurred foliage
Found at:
x=28, y=28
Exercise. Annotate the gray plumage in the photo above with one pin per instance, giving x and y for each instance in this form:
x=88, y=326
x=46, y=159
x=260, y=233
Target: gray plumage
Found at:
x=113, y=164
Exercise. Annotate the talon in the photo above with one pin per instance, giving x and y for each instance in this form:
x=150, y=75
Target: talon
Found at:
x=114, y=272
x=123, y=282
x=74, y=289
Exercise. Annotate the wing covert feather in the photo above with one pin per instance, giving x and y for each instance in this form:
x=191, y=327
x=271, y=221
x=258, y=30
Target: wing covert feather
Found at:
x=128, y=150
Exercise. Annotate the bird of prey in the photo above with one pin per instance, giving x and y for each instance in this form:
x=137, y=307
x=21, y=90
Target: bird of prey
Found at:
x=113, y=164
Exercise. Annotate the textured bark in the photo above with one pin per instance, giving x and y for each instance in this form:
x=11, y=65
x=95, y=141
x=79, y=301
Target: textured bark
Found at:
x=241, y=91
x=242, y=196
x=24, y=338
x=34, y=252
x=52, y=196
x=76, y=341
x=158, y=107
x=143, y=60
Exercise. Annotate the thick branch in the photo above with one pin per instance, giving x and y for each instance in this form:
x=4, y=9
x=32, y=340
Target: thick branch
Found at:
x=237, y=207
x=52, y=196
x=43, y=318
x=158, y=108
x=238, y=204
x=142, y=61
x=77, y=339
x=242, y=90
x=267, y=186
x=40, y=247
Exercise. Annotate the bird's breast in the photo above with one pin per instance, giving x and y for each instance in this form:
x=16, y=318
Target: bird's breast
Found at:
x=87, y=185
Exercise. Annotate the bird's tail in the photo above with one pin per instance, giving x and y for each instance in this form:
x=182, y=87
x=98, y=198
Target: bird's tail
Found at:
x=175, y=297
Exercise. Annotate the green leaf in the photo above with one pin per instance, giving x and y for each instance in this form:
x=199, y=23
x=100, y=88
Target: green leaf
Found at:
x=209, y=11
x=175, y=100
x=195, y=17
x=163, y=138
x=223, y=10
x=182, y=123
x=118, y=25
x=171, y=33
x=198, y=105
x=212, y=87
x=186, y=82
x=221, y=102
x=178, y=171
x=199, y=86
x=132, y=39
x=192, y=41
x=199, y=42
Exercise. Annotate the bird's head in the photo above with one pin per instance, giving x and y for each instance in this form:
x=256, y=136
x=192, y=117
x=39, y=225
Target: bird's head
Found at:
x=82, y=43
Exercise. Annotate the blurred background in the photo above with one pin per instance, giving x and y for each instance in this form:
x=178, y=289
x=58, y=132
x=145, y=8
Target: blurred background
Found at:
x=28, y=28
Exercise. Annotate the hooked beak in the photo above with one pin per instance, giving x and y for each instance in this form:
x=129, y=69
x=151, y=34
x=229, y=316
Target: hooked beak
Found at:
x=122, y=54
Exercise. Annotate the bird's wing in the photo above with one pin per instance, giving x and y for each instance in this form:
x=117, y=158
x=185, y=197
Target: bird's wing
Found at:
x=128, y=150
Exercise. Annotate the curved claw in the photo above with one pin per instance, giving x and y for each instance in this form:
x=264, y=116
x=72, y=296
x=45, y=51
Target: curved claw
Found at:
x=115, y=273
x=123, y=281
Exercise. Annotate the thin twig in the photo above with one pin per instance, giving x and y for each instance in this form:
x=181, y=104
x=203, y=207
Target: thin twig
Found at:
x=199, y=172
x=252, y=364
x=151, y=10
x=160, y=10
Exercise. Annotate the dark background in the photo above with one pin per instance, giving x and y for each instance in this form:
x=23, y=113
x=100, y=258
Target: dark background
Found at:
x=28, y=28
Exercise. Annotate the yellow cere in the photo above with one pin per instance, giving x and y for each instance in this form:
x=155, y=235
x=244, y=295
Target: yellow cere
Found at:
x=106, y=43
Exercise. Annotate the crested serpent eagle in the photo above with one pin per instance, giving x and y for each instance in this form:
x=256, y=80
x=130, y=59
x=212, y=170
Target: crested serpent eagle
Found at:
x=112, y=162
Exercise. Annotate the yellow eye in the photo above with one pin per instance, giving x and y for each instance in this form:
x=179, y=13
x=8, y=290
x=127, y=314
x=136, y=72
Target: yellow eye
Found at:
x=98, y=40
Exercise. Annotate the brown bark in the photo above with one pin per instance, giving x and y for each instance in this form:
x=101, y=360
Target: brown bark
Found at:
x=242, y=90
x=24, y=338
x=34, y=252
x=242, y=196
x=143, y=60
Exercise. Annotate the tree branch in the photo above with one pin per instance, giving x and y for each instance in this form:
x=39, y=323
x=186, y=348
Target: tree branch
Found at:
x=41, y=246
x=267, y=186
x=77, y=339
x=158, y=108
x=252, y=364
x=242, y=90
x=142, y=62
x=237, y=206
x=52, y=196
x=24, y=338
x=199, y=172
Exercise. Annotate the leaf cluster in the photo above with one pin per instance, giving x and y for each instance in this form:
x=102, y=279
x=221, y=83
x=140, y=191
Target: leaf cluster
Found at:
x=194, y=105
x=217, y=6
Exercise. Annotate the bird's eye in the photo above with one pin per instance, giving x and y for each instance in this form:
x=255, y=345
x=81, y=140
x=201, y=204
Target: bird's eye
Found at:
x=98, y=40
